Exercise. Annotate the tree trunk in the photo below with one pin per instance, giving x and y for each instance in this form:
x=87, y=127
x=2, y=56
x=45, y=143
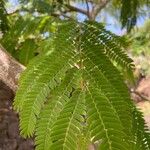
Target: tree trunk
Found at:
x=10, y=69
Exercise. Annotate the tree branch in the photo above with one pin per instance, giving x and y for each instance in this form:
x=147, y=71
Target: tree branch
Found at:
x=143, y=97
x=76, y=9
x=90, y=1
x=87, y=6
x=10, y=69
x=97, y=8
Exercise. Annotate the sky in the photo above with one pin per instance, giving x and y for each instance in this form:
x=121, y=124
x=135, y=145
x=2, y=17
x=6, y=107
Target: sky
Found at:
x=15, y=2
x=111, y=23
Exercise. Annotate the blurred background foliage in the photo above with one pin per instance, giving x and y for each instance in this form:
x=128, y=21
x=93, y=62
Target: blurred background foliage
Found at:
x=140, y=47
x=4, y=23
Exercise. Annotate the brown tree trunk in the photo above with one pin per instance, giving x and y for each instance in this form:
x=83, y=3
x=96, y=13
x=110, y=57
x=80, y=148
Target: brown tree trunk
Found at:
x=10, y=69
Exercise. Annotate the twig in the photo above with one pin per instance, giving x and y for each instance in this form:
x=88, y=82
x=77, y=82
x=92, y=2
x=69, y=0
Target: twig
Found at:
x=87, y=6
x=145, y=98
x=61, y=14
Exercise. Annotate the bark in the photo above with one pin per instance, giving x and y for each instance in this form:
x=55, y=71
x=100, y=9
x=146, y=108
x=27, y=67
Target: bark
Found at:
x=10, y=69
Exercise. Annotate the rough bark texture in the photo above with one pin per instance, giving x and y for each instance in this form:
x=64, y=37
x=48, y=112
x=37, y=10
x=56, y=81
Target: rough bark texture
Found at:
x=10, y=138
x=10, y=69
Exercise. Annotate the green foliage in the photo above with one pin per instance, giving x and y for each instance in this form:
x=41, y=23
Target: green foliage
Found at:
x=140, y=39
x=129, y=13
x=140, y=44
x=4, y=25
x=29, y=33
x=27, y=51
x=72, y=94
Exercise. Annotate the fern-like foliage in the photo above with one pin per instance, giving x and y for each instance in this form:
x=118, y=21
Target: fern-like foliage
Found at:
x=73, y=94
x=129, y=13
x=4, y=25
x=29, y=32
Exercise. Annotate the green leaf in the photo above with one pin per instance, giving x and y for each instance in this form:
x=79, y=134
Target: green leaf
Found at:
x=74, y=87
x=27, y=51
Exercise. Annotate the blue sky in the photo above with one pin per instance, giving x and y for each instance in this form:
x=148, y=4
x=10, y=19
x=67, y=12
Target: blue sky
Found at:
x=15, y=2
x=111, y=23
